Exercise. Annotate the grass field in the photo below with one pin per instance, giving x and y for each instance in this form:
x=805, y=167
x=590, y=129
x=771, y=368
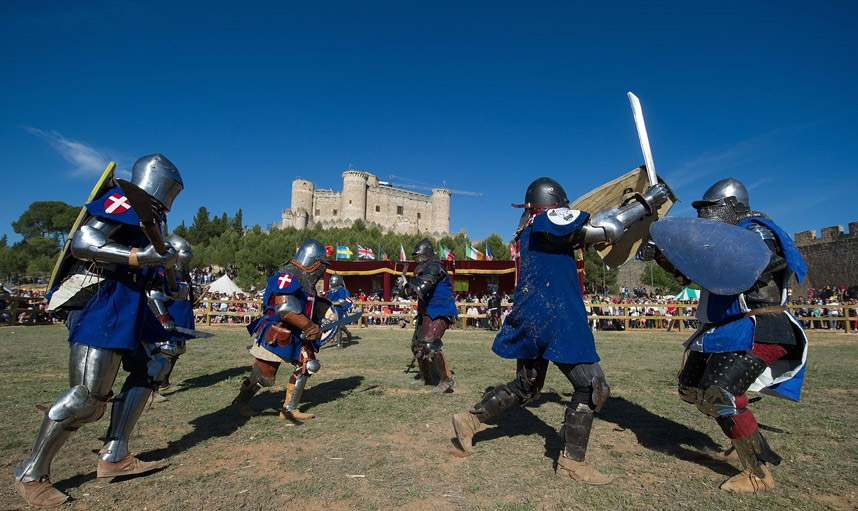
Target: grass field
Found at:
x=378, y=444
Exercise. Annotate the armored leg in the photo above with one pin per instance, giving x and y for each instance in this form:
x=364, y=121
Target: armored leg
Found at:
x=590, y=393
x=727, y=376
x=91, y=375
x=262, y=374
x=690, y=375
x=754, y=452
x=145, y=375
x=439, y=364
x=530, y=376
x=294, y=391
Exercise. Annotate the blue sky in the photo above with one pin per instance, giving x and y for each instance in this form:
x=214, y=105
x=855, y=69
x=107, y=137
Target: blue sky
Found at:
x=244, y=97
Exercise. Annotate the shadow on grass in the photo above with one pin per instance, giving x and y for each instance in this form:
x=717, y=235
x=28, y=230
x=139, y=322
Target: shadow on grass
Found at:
x=208, y=380
x=657, y=433
x=519, y=421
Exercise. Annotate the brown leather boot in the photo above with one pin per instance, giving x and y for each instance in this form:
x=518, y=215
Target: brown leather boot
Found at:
x=41, y=493
x=241, y=403
x=127, y=466
x=581, y=471
x=295, y=414
x=466, y=425
x=747, y=481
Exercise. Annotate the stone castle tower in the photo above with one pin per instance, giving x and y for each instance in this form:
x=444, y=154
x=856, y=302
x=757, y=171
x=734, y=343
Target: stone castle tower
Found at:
x=832, y=258
x=374, y=202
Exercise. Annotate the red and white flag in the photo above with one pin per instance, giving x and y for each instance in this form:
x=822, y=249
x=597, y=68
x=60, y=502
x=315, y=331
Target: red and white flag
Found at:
x=402, y=256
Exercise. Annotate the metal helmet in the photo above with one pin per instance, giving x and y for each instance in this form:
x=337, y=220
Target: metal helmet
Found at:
x=727, y=201
x=336, y=281
x=423, y=251
x=544, y=193
x=310, y=252
x=183, y=249
x=158, y=177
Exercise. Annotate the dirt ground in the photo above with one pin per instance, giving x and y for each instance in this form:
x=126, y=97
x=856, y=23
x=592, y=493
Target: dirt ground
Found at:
x=377, y=443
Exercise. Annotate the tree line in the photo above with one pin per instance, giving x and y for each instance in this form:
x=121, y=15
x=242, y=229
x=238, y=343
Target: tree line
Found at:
x=250, y=253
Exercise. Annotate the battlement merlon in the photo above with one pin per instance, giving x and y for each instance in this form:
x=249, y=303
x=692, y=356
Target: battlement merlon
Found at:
x=827, y=235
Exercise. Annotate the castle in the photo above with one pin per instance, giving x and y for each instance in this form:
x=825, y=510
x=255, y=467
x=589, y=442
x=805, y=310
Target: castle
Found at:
x=374, y=202
x=832, y=258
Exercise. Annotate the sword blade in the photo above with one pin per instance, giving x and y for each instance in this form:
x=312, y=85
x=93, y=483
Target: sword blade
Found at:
x=640, y=124
x=196, y=334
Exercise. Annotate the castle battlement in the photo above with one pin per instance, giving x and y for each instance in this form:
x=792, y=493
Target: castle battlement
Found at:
x=364, y=197
x=828, y=235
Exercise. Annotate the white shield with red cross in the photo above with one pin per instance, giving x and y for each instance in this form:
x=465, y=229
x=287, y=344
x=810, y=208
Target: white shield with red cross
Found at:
x=116, y=204
x=284, y=280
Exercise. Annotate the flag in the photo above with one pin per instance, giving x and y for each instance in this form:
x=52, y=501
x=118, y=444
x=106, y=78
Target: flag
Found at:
x=512, y=252
x=365, y=253
x=472, y=253
x=402, y=253
x=343, y=252
x=489, y=256
x=446, y=253
x=329, y=251
x=382, y=255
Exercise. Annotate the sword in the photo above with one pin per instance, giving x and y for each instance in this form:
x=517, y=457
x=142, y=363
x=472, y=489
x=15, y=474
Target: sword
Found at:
x=643, y=137
x=141, y=202
x=196, y=334
x=345, y=320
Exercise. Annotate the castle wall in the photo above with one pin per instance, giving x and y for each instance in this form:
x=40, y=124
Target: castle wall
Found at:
x=440, y=210
x=382, y=207
x=832, y=258
x=327, y=206
x=354, y=195
x=302, y=194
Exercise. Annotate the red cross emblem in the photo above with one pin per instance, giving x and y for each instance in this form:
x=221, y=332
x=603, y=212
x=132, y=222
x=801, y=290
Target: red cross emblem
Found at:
x=116, y=204
x=284, y=280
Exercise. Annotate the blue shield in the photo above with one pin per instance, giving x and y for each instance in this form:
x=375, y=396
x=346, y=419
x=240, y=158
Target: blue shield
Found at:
x=720, y=257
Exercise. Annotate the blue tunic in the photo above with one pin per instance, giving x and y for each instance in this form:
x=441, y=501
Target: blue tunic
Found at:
x=338, y=294
x=548, y=318
x=784, y=377
x=118, y=315
x=439, y=300
x=281, y=284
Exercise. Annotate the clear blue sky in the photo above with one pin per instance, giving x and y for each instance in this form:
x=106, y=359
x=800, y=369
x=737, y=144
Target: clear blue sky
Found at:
x=485, y=96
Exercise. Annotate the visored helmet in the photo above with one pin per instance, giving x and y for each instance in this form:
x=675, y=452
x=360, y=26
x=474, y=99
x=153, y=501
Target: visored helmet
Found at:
x=336, y=281
x=183, y=249
x=727, y=201
x=423, y=251
x=311, y=252
x=158, y=177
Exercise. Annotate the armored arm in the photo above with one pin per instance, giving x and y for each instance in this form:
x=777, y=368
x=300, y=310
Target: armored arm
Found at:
x=609, y=225
x=427, y=281
x=157, y=302
x=92, y=242
x=777, y=262
x=292, y=313
x=650, y=252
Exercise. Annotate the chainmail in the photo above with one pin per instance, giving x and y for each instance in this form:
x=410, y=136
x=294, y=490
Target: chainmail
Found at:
x=307, y=280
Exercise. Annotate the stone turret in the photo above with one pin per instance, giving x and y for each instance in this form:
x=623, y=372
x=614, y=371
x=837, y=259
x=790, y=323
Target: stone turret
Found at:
x=302, y=195
x=354, y=195
x=441, y=210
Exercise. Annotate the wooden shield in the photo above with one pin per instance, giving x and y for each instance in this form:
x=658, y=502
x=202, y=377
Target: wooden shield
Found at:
x=611, y=195
x=61, y=266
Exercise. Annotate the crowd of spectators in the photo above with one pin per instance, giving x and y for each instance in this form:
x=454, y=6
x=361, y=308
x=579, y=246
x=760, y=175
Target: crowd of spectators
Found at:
x=31, y=300
x=644, y=312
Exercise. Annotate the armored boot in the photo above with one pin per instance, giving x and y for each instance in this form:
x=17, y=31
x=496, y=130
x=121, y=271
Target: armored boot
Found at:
x=114, y=458
x=445, y=386
x=575, y=433
x=425, y=376
x=754, y=452
x=467, y=424
x=290, y=409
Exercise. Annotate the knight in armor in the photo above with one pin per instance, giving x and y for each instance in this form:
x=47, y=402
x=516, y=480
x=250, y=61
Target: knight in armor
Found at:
x=548, y=322
x=105, y=271
x=172, y=312
x=288, y=331
x=341, y=300
x=747, y=341
x=436, y=311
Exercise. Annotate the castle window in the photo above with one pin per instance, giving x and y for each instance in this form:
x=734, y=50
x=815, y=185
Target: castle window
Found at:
x=377, y=208
x=335, y=212
x=350, y=202
x=418, y=216
x=317, y=212
x=398, y=210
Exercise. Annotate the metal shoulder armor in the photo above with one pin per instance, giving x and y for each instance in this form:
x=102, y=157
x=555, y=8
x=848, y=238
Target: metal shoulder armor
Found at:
x=92, y=242
x=292, y=304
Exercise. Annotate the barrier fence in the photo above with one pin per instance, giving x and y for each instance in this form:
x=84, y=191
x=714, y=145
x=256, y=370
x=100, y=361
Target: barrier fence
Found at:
x=840, y=317
x=22, y=310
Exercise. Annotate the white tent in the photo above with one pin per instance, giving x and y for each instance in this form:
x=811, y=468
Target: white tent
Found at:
x=688, y=294
x=224, y=285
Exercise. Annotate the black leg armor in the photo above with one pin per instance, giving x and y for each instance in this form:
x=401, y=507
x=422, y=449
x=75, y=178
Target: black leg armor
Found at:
x=591, y=387
x=530, y=376
x=690, y=374
x=726, y=375
x=575, y=431
x=753, y=451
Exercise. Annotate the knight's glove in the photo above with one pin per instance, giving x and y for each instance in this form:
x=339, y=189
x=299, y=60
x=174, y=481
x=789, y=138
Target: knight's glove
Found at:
x=182, y=292
x=311, y=331
x=647, y=251
x=656, y=195
x=167, y=322
x=149, y=257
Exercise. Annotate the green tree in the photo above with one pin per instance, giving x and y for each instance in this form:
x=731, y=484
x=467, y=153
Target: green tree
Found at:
x=661, y=281
x=237, y=222
x=53, y=219
x=200, y=230
x=499, y=248
x=597, y=277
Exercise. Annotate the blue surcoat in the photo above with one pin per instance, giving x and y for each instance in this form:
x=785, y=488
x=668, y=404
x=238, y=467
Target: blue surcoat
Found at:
x=548, y=318
x=439, y=301
x=118, y=315
x=281, y=284
x=340, y=293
